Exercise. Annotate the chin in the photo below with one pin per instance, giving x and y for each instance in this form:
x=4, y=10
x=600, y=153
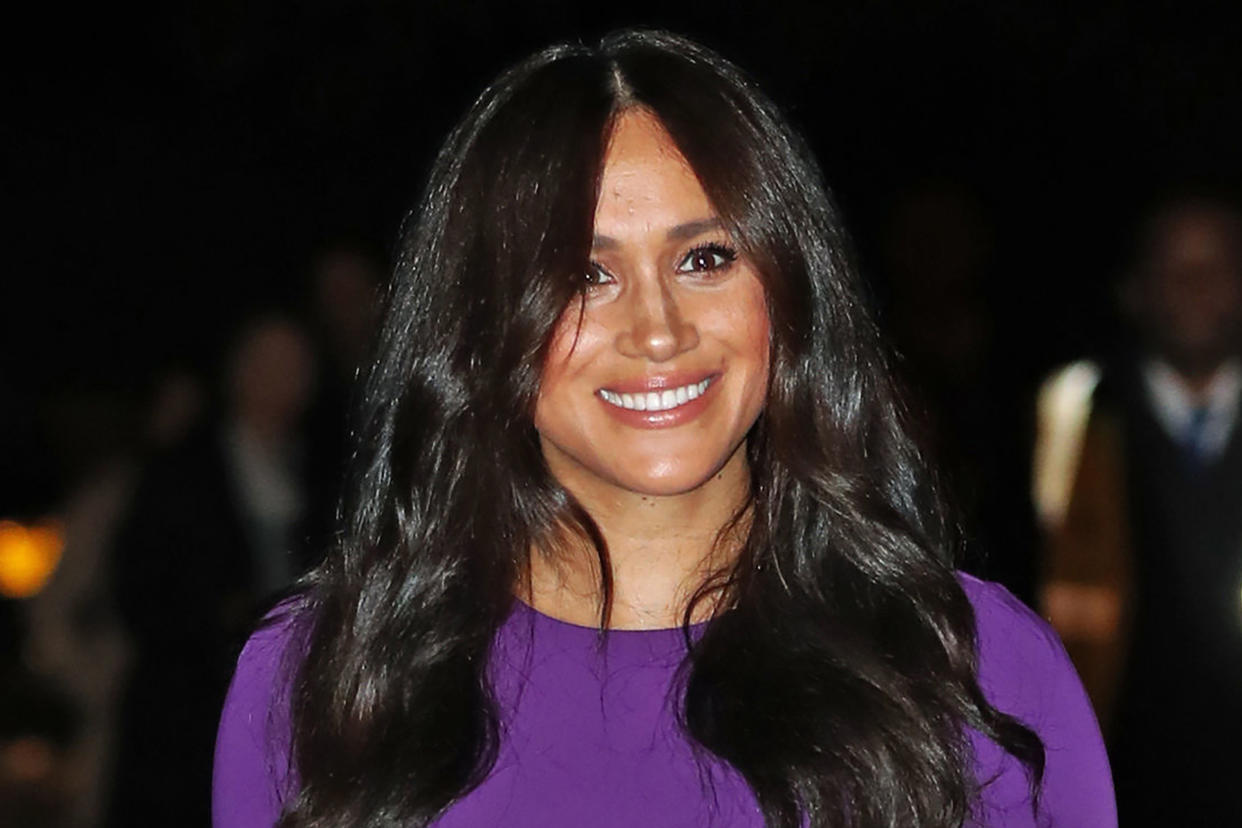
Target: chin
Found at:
x=668, y=480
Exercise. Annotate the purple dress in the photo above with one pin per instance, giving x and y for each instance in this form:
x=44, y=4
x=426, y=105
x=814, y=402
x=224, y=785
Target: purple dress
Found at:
x=593, y=741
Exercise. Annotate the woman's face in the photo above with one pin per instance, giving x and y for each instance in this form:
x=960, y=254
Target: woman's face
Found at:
x=654, y=388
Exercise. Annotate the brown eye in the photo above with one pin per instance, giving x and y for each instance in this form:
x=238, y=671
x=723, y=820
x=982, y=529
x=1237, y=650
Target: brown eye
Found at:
x=596, y=276
x=707, y=258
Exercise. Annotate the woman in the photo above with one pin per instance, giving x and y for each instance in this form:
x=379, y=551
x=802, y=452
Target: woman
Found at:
x=637, y=534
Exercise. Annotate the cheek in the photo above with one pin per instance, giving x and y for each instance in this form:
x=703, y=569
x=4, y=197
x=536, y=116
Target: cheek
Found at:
x=752, y=330
x=761, y=343
x=561, y=345
x=743, y=331
x=574, y=340
x=551, y=387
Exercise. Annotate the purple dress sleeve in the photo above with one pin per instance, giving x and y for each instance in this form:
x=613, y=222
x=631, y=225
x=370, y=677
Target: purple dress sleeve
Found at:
x=252, y=775
x=1025, y=672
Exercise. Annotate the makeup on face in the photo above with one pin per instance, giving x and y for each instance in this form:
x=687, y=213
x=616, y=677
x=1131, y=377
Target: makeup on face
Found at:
x=660, y=401
x=653, y=380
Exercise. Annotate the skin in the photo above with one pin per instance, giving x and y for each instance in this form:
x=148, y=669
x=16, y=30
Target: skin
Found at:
x=272, y=378
x=664, y=305
x=1189, y=291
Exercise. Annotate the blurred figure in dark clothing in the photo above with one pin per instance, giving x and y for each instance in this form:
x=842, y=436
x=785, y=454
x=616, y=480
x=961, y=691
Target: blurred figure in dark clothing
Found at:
x=75, y=638
x=1144, y=575
x=64, y=654
x=937, y=257
x=218, y=527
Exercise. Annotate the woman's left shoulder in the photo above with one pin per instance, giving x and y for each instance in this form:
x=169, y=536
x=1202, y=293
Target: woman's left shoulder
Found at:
x=1025, y=672
x=1011, y=637
x=1023, y=668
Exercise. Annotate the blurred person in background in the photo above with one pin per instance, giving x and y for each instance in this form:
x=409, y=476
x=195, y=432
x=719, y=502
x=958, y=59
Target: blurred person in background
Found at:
x=68, y=459
x=74, y=637
x=1143, y=577
x=218, y=525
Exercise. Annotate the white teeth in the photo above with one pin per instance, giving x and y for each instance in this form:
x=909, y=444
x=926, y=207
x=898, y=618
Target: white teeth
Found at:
x=656, y=400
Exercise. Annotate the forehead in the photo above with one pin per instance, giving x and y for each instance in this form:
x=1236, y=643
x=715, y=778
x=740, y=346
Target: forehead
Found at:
x=1195, y=232
x=646, y=181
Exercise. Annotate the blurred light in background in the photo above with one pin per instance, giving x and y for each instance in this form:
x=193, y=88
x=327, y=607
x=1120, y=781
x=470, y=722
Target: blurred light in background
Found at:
x=1062, y=410
x=28, y=557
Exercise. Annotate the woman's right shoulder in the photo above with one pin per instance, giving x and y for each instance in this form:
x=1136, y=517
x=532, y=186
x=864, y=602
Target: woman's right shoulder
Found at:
x=253, y=774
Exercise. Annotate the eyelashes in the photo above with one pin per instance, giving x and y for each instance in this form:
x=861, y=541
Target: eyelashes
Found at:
x=596, y=276
x=705, y=258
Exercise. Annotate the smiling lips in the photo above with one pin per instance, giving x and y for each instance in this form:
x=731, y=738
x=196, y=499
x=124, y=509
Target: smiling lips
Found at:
x=657, y=403
x=664, y=400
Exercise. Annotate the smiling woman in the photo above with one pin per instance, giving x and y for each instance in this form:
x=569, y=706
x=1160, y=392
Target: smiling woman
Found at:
x=637, y=534
x=652, y=381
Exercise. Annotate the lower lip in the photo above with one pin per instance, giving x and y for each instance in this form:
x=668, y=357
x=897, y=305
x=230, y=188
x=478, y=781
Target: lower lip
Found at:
x=680, y=415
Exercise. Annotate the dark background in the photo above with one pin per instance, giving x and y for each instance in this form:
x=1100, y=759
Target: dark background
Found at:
x=162, y=160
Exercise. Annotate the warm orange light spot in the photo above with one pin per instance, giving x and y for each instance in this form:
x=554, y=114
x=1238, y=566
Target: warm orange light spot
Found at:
x=28, y=557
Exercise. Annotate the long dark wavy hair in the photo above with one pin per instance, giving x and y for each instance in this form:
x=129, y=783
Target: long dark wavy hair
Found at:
x=841, y=676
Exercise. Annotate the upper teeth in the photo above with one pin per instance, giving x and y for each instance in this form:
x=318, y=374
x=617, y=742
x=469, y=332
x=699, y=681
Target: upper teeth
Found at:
x=656, y=400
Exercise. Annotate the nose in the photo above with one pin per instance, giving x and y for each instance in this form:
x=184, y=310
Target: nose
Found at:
x=655, y=328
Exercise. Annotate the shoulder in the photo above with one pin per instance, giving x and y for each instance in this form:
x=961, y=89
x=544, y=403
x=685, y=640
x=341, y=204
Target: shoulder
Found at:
x=1023, y=668
x=1011, y=637
x=1025, y=672
x=253, y=772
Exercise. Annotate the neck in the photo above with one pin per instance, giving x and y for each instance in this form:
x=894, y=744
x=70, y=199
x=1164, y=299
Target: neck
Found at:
x=1197, y=381
x=268, y=431
x=662, y=549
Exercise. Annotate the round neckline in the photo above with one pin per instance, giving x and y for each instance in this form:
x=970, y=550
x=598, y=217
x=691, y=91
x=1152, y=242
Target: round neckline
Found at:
x=538, y=615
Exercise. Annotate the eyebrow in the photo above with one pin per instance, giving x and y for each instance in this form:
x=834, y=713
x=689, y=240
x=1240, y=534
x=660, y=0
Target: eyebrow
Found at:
x=681, y=232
